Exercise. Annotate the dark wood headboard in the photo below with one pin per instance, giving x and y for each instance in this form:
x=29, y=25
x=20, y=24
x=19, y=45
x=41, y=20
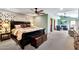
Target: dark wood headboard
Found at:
x=13, y=23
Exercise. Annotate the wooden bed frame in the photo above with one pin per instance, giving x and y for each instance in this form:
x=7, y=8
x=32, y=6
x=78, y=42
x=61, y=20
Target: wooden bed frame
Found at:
x=26, y=37
x=13, y=23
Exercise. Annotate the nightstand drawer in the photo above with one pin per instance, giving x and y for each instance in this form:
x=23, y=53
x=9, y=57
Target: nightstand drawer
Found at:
x=5, y=36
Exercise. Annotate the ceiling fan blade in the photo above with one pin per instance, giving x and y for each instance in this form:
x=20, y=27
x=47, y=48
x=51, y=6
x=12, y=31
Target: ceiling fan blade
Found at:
x=37, y=12
x=40, y=11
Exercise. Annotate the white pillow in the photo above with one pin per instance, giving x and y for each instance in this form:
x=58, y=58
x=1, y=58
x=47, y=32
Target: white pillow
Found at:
x=17, y=26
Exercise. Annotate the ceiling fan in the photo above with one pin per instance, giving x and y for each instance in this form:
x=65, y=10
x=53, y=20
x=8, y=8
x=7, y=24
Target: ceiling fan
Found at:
x=37, y=11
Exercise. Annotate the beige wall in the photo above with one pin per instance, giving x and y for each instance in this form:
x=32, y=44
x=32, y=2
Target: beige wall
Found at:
x=41, y=21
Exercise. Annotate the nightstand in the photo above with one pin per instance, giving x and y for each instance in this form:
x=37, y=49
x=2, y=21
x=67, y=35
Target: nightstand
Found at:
x=5, y=36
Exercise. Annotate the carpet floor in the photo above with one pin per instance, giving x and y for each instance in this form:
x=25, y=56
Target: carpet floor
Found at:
x=57, y=40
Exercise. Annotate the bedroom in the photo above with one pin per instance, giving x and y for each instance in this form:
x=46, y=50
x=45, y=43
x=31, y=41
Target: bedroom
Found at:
x=40, y=28
x=17, y=25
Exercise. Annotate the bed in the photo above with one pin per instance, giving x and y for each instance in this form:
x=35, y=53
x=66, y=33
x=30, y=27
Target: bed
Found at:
x=22, y=32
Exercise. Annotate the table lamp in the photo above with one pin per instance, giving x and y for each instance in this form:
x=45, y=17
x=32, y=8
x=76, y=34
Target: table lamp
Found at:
x=6, y=26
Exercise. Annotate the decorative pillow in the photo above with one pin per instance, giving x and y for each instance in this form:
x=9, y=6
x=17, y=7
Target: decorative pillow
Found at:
x=28, y=25
x=23, y=25
x=17, y=26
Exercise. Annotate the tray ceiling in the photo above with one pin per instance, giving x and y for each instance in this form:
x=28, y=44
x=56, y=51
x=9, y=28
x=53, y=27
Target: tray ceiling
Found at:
x=53, y=11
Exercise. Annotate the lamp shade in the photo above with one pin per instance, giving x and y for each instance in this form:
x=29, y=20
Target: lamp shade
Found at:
x=6, y=25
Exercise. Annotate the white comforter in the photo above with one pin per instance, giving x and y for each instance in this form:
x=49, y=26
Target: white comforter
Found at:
x=19, y=31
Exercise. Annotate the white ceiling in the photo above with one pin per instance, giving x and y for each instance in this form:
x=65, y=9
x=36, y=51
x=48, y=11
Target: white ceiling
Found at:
x=53, y=11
